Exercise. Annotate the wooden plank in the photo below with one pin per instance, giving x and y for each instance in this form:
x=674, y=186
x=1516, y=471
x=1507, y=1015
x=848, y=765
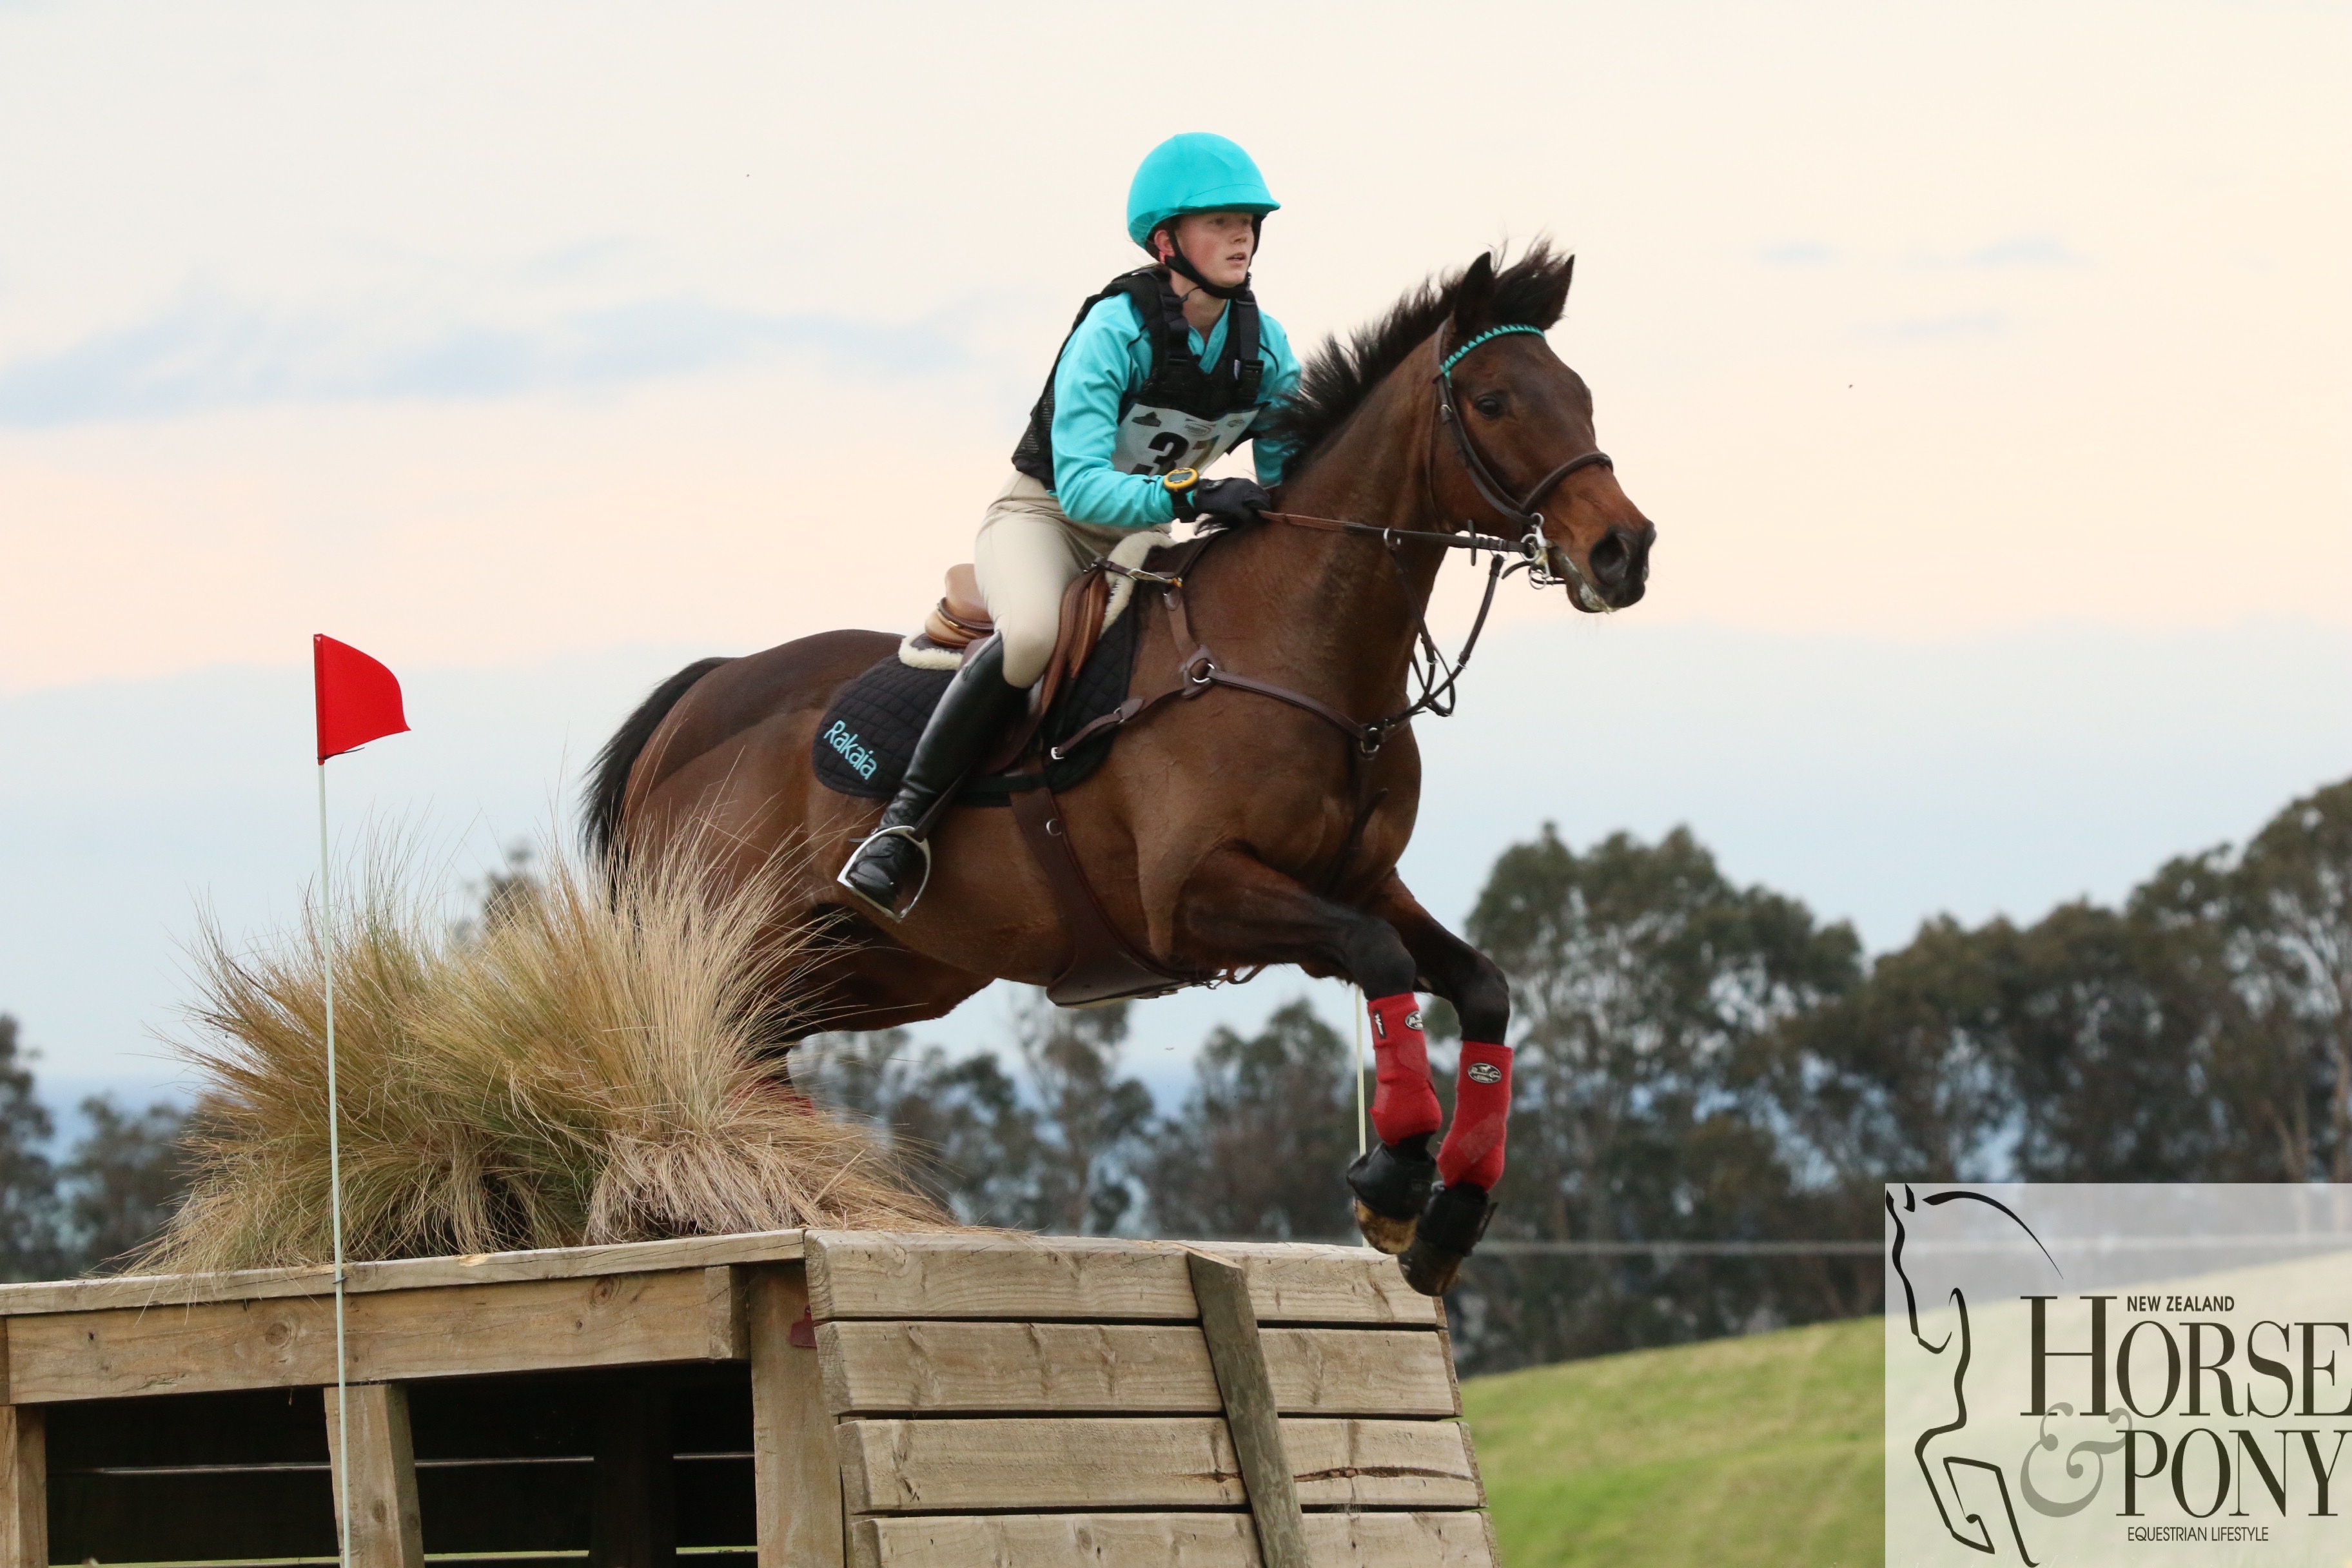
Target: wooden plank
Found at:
x=455, y=1331
x=379, y=1474
x=722, y=1315
x=400, y=1274
x=1231, y=1329
x=1127, y=1369
x=24, y=1488
x=1287, y=1281
x=1190, y=1540
x=1163, y=1462
x=796, y=1473
x=1093, y=1279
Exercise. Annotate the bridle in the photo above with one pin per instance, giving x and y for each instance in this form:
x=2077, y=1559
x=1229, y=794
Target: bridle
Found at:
x=1533, y=550
x=1521, y=513
x=1433, y=672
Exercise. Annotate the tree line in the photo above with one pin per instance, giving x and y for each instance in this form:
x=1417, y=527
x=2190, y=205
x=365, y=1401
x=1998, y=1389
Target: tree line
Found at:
x=1702, y=1061
x=112, y=1190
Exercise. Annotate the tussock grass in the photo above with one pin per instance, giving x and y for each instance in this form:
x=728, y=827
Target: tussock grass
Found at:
x=584, y=1067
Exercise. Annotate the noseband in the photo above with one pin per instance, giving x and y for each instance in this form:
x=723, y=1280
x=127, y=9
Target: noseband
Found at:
x=1521, y=513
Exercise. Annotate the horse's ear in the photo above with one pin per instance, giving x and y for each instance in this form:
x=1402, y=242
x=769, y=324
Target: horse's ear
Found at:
x=1474, y=297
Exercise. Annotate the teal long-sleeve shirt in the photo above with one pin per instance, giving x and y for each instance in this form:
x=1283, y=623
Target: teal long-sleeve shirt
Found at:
x=1104, y=365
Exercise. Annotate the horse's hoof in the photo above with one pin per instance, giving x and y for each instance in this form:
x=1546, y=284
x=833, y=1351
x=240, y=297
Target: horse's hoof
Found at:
x=1392, y=1183
x=1449, y=1229
x=1385, y=1235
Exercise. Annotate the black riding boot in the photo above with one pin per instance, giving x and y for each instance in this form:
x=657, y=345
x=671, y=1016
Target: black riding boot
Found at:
x=973, y=712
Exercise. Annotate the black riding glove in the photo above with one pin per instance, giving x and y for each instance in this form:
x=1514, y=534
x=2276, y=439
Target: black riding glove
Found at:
x=1236, y=501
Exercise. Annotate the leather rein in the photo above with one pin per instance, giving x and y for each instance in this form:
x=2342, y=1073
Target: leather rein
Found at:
x=1198, y=670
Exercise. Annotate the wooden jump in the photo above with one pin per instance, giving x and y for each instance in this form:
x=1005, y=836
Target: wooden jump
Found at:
x=801, y=1399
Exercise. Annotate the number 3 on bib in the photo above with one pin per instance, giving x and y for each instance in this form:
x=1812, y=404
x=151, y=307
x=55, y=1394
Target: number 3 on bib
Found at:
x=1162, y=440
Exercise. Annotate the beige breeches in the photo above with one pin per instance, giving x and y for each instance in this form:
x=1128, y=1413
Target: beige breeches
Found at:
x=1026, y=554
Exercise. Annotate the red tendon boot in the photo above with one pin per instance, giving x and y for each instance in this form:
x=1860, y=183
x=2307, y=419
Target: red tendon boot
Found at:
x=1470, y=1163
x=1392, y=1182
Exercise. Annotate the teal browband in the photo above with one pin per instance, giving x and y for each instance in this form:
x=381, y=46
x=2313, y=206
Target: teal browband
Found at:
x=1455, y=357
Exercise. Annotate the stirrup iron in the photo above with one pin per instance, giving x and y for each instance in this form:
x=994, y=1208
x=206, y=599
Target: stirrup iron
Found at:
x=908, y=832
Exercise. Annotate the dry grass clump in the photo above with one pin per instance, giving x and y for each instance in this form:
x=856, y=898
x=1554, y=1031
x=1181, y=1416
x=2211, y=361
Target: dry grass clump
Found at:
x=582, y=1069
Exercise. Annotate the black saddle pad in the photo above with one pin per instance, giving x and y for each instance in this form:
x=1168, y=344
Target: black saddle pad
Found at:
x=869, y=733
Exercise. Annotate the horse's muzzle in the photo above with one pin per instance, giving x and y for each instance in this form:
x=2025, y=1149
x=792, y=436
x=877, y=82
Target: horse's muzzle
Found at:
x=1620, y=563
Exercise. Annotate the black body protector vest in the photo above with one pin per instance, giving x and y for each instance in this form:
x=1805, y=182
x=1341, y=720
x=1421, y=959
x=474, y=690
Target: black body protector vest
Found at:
x=1183, y=416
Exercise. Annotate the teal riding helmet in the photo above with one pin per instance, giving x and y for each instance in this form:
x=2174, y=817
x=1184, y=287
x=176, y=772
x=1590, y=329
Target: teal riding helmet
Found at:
x=1195, y=173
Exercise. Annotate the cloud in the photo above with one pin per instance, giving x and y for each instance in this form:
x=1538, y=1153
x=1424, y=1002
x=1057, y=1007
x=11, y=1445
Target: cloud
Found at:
x=206, y=351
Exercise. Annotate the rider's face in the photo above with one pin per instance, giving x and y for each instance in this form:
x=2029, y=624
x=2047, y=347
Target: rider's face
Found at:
x=1218, y=245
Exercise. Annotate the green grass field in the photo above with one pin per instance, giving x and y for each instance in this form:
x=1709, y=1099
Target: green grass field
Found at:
x=1764, y=1450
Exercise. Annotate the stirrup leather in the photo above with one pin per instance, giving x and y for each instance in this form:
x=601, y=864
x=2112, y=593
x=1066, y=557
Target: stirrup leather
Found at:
x=906, y=831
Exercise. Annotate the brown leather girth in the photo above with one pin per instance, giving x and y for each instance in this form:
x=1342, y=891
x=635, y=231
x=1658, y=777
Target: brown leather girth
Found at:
x=1104, y=966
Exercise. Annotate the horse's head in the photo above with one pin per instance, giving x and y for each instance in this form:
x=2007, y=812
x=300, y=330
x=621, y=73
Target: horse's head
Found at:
x=1525, y=419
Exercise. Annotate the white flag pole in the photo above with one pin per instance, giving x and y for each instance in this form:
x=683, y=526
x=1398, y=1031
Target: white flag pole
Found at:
x=335, y=1184
x=1357, y=1008
x=1361, y=1145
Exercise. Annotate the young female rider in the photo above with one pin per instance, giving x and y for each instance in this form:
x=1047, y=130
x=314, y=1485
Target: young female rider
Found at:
x=1165, y=371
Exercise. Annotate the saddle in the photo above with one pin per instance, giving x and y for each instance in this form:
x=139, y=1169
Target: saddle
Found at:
x=1094, y=603
x=868, y=733
x=961, y=620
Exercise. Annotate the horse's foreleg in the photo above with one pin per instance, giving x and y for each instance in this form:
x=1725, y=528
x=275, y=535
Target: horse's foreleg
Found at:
x=1237, y=910
x=1471, y=1161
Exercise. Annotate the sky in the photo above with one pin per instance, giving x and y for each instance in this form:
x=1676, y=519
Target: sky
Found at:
x=1985, y=370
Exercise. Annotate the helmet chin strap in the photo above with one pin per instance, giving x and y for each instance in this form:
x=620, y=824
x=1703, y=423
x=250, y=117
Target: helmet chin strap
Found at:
x=1175, y=261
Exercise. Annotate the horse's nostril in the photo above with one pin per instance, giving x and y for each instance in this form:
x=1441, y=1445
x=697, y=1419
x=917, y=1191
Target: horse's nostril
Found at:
x=1611, y=559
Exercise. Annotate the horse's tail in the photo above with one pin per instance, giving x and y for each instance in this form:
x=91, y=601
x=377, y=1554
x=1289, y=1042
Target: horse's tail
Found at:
x=608, y=783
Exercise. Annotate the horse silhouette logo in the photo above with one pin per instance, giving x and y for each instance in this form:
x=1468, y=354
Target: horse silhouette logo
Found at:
x=1942, y=1450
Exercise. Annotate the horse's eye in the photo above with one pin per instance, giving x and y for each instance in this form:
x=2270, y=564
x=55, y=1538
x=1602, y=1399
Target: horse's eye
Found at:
x=1491, y=405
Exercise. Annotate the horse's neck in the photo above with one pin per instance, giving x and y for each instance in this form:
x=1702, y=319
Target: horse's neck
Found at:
x=1342, y=607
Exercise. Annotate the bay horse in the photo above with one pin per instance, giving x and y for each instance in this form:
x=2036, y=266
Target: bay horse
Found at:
x=1220, y=835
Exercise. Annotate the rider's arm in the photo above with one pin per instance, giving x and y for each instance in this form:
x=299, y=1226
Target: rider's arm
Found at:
x=1104, y=360
x=1281, y=380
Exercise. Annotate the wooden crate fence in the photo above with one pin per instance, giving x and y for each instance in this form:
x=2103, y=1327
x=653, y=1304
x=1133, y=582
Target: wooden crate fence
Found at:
x=1055, y=1401
x=780, y=1399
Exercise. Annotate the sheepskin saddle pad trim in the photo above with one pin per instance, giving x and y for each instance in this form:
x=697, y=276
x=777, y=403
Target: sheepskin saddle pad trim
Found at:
x=868, y=734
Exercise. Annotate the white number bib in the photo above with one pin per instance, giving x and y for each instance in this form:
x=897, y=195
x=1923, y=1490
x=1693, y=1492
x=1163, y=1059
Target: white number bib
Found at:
x=1162, y=440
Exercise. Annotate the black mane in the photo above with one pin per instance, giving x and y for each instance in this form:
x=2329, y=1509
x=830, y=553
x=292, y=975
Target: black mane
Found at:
x=1531, y=291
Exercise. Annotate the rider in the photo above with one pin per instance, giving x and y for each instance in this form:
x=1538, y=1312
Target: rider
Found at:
x=1166, y=370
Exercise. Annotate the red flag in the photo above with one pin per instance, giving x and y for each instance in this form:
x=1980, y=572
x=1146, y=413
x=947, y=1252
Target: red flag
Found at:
x=358, y=699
